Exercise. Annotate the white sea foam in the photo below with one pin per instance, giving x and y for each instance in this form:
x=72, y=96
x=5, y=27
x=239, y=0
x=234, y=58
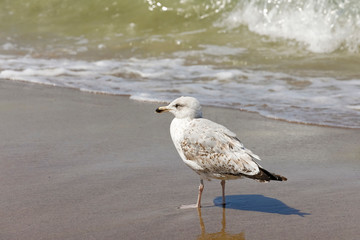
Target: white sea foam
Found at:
x=322, y=26
x=8, y=46
x=325, y=100
x=354, y=107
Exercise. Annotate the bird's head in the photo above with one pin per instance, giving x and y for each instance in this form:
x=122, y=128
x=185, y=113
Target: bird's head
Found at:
x=183, y=107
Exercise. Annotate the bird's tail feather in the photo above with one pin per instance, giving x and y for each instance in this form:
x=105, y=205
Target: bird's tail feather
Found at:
x=266, y=176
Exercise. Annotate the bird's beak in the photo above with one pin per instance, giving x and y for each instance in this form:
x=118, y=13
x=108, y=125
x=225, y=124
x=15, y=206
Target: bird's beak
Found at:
x=162, y=109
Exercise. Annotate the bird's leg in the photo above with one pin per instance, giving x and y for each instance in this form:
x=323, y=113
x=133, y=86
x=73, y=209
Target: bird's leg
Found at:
x=201, y=189
x=198, y=203
x=223, y=191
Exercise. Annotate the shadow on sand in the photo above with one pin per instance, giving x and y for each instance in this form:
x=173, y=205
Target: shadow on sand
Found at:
x=258, y=203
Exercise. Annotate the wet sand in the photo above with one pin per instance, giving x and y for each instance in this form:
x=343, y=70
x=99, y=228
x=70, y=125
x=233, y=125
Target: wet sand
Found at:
x=77, y=165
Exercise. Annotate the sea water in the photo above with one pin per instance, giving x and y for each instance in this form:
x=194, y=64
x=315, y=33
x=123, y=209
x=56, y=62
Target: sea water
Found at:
x=293, y=60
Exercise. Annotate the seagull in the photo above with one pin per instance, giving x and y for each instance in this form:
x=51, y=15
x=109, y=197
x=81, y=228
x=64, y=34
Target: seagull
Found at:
x=210, y=149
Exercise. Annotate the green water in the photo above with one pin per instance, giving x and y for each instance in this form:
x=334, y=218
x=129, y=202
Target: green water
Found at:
x=125, y=28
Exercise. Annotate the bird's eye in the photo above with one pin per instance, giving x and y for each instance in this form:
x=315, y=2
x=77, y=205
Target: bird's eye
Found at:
x=178, y=105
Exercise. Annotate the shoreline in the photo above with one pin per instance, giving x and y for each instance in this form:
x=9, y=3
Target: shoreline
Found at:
x=129, y=96
x=78, y=165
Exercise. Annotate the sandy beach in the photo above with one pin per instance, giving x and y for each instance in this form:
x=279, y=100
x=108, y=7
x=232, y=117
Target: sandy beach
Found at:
x=77, y=165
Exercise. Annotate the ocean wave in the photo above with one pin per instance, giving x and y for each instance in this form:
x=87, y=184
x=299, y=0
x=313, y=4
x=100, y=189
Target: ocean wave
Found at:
x=317, y=100
x=321, y=26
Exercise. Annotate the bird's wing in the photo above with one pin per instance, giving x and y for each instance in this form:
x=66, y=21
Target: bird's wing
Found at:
x=216, y=149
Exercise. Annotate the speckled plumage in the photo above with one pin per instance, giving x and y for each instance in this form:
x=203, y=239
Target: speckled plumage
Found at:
x=212, y=150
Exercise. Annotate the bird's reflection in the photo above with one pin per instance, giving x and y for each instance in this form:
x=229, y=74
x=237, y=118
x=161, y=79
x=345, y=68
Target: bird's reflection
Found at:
x=222, y=235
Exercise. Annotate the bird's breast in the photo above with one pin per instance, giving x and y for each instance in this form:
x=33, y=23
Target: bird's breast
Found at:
x=177, y=129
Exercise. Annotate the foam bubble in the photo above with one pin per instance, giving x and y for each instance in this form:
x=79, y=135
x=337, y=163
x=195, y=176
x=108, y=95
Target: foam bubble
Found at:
x=8, y=46
x=145, y=97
